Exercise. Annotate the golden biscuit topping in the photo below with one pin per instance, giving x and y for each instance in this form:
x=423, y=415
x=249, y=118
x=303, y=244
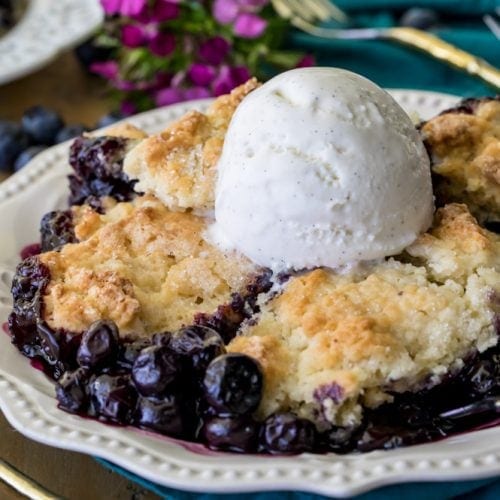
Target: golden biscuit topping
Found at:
x=178, y=165
x=465, y=149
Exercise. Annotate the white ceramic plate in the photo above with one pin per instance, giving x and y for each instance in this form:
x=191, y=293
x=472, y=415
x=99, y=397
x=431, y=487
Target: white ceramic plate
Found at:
x=27, y=397
x=45, y=29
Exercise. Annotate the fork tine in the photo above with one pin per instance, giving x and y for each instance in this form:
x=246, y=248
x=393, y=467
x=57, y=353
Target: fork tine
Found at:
x=320, y=9
x=492, y=24
x=282, y=8
x=334, y=11
x=302, y=10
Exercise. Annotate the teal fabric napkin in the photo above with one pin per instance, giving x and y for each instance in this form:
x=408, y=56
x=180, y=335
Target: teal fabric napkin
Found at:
x=485, y=489
x=392, y=65
x=396, y=66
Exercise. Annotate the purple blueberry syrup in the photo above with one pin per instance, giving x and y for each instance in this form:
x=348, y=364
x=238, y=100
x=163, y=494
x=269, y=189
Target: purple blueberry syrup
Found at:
x=183, y=384
x=98, y=171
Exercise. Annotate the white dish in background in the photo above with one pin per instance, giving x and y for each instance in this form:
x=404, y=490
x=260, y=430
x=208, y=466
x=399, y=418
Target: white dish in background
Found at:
x=46, y=28
x=27, y=396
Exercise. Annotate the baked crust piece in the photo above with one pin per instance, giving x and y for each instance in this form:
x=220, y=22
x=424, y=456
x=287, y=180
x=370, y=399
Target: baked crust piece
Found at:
x=464, y=144
x=147, y=269
x=178, y=165
x=331, y=343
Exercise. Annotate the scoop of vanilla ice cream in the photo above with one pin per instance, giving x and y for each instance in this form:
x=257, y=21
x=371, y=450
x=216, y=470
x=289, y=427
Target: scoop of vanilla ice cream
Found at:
x=321, y=167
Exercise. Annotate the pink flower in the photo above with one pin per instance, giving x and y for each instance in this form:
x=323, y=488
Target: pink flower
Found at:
x=306, y=61
x=133, y=36
x=167, y=96
x=249, y=26
x=128, y=108
x=106, y=69
x=164, y=10
x=201, y=74
x=162, y=44
x=243, y=15
x=214, y=50
x=128, y=8
x=196, y=93
x=229, y=78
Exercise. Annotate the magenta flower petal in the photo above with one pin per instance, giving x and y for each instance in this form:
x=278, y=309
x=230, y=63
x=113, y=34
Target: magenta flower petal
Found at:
x=168, y=96
x=223, y=83
x=239, y=75
x=225, y=11
x=164, y=10
x=162, y=44
x=253, y=4
x=249, y=26
x=106, y=69
x=214, y=50
x=128, y=108
x=197, y=93
x=306, y=61
x=111, y=6
x=201, y=74
x=133, y=36
x=132, y=8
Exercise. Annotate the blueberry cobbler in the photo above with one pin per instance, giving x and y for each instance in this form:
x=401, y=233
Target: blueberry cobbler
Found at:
x=143, y=317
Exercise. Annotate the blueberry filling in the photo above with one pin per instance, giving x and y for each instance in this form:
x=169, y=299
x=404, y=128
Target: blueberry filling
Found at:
x=56, y=230
x=183, y=384
x=98, y=171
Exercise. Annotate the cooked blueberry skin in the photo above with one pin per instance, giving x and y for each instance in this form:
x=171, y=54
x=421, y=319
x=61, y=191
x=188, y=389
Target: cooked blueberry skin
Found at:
x=154, y=370
x=233, y=384
x=231, y=433
x=287, y=433
x=129, y=352
x=71, y=390
x=112, y=397
x=197, y=345
x=99, y=344
x=41, y=124
x=57, y=229
x=164, y=415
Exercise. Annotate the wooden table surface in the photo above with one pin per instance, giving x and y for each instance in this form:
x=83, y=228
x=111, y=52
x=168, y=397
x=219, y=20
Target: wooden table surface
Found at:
x=79, y=98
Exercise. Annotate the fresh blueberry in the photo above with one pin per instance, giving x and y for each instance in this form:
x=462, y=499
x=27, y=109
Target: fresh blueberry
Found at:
x=112, y=397
x=155, y=368
x=233, y=384
x=198, y=345
x=420, y=18
x=71, y=390
x=99, y=344
x=41, y=124
x=163, y=415
x=70, y=132
x=109, y=119
x=26, y=156
x=56, y=230
x=13, y=141
x=231, y=433
x=286, y=433
x=88, y=53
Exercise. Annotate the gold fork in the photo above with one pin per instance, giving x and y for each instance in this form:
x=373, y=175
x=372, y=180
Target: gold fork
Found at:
x=306, y=15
